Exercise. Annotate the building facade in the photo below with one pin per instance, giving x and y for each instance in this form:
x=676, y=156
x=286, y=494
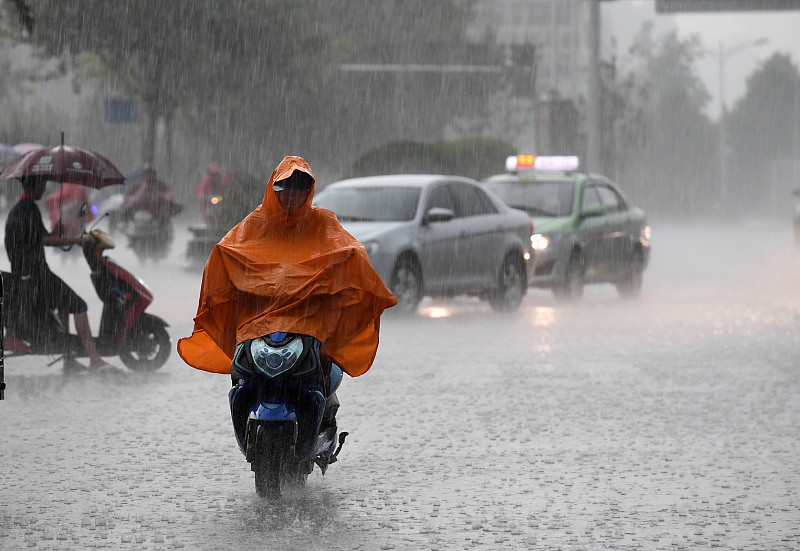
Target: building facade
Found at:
x=550, y=39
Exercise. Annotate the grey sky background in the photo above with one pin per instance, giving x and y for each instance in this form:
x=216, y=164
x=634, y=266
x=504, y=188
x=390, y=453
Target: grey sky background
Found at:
x=622, y=20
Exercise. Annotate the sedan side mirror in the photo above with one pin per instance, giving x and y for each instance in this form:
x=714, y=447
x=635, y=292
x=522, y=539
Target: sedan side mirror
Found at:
x=438, y=214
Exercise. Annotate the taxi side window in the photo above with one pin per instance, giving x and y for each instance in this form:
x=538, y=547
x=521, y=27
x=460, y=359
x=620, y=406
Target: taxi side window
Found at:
x=471, y=201
x=440, y=198
x=610, y=199
x=589, y=197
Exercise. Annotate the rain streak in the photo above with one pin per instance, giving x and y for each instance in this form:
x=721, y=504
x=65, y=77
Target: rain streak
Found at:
x=587, y=212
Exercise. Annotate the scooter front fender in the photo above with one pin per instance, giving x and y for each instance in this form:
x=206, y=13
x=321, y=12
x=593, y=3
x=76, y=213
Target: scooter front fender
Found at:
x=266, y=410
x=268, y=413
x=247, y=411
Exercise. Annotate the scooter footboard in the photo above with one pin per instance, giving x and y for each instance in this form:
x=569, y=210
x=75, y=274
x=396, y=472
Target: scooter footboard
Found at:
x=324, y=445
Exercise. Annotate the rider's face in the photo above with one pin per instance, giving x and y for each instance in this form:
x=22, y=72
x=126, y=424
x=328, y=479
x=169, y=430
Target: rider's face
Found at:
x=291, y=199
x=293, y=192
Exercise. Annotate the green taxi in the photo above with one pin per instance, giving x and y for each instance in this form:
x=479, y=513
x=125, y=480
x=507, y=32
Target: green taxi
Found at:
x=584, y=228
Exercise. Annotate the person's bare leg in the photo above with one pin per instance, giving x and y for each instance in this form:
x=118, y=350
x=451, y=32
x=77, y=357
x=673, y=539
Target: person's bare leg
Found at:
x=85, y=333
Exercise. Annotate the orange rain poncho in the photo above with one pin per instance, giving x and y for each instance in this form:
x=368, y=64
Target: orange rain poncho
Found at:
x=298, y=273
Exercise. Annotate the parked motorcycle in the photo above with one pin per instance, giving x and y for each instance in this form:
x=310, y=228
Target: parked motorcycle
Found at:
x=140, y=339
x=283, y=406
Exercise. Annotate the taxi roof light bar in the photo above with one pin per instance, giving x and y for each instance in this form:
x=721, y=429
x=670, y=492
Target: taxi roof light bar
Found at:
x=558, y=163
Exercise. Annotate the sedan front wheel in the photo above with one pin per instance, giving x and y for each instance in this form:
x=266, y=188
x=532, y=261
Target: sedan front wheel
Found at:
x=407, y=286
x=571, y=288
x=510, y=286
x=631, y=284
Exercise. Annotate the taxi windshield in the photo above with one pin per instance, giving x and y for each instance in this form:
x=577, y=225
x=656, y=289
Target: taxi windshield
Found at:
x=540, y=198
x=370, y=204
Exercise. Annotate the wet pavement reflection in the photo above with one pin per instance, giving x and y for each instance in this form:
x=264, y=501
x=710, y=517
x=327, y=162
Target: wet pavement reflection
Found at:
x=667, y=422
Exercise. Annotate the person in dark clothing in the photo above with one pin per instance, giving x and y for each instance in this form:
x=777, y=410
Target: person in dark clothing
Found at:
x=149, y=194
x=25, y=240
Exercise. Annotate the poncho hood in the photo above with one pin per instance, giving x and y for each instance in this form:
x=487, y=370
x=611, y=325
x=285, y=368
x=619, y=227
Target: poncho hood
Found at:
x=271, y=207
x=298, y=273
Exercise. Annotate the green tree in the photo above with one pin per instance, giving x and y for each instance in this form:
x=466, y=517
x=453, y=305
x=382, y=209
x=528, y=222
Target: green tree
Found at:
x=670, y=162
x=165, y=54
x=248, y=80
x=308, y=103
x=473, y=157
x=763, y=133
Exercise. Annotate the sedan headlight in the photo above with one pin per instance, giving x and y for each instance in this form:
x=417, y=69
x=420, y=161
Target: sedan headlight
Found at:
x=539, y=242
x=644, y=235
x=372, y=247
x=272, y=359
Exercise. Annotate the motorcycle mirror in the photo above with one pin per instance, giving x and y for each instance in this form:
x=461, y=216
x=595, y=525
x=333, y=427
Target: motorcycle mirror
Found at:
x=91, y=229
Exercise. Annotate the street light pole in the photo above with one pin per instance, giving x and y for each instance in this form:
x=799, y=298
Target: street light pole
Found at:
x=721, y=146
x=593, y=131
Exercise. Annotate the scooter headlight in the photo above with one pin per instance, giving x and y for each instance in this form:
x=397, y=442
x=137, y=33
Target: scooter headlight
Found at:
x=273, y=359
x=142, y=216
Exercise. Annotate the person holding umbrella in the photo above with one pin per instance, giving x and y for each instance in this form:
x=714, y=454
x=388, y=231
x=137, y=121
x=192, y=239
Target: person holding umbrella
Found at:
x=25, y=240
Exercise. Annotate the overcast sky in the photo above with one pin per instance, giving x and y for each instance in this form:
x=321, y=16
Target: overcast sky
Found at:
x=622, y=19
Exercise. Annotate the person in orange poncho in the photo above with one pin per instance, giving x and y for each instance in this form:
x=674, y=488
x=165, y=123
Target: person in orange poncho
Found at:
x=288, y=267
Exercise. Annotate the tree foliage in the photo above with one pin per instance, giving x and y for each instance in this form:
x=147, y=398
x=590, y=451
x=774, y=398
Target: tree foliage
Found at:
x=168, y=55
x=249, y=80
x=670, y=161
x=763, y=131
x=475, y=158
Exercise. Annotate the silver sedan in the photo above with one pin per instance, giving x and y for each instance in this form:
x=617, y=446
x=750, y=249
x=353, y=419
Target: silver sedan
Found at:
x=437, y=236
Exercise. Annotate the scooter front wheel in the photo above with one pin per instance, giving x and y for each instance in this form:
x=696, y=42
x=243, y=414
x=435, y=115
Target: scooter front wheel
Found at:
x=268, y=461
x=147, y=347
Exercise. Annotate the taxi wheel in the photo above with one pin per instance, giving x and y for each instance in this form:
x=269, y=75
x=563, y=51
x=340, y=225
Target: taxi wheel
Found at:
x=631, y=284
x=571, y=288
x=407, y=286
x=510, y=286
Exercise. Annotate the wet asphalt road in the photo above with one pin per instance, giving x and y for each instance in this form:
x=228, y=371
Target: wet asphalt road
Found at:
x=668, y=422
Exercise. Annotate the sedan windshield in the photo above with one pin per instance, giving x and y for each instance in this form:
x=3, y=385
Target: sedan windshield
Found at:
x=537, y=198
x=370, y=204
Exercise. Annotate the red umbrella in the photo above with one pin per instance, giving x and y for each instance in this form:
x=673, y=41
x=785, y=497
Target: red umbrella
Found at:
x=65, y=163
x=22, y=148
